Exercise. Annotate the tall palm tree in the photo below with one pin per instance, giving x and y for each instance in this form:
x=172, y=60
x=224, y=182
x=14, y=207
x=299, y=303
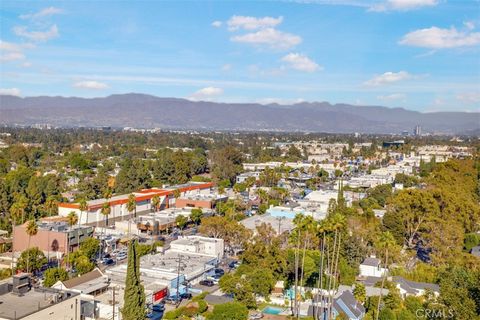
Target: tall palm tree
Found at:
x=72, y=219
x=106, y=212
x=132, y=205
x=32, y=229
x=155, y=202
x=385, y=242
x=107, y=194
x=83, y=206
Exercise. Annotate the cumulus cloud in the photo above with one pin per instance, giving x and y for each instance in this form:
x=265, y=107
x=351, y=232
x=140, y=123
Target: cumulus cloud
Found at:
x=50, y=11
x=10, y=92
x=392, y=97
x=469, y=97
x=206, y=94
x=388, y=78
x=301, y=62
x=94, y=85
x=217, y=24
x=269, y=37
x=252, y=23
x=10, y=51
x=38, y=36
x=438, y=38
x=402, y=5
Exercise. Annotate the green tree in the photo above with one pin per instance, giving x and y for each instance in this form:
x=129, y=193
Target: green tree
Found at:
x=360, y=293
x=106, y=209
x=155, y=202
x=196, y=215
x=83, y=265
x=132, y=204
x=32, y=257
x=90, y=248
x=181, y=221
x=229, y=311
x=52, y=275
x=134, y=296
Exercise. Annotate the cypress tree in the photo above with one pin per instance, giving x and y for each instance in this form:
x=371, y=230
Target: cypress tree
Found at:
x=134, y=296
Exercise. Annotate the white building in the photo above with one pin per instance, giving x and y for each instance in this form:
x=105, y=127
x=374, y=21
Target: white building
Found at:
x=370, y=267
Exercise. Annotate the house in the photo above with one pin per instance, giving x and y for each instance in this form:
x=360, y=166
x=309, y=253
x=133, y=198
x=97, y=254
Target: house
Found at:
x=475, y=251
x=347, y=305
x=278, y=289
x=412, y=288
x=92, y=283
x=370, y=267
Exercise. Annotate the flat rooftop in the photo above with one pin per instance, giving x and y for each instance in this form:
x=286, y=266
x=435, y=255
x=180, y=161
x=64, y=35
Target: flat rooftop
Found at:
x=253, y=222
x=15, y=307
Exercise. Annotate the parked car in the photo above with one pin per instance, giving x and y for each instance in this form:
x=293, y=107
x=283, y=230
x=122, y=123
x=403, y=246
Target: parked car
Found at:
x=233, y=264
x=186, y=296
x=108, y=262
x=121, y=256
x=207, y=283
x=256, y=316
x=158, y=307
x=219, y=271
x=173, y=300
x=154, y=315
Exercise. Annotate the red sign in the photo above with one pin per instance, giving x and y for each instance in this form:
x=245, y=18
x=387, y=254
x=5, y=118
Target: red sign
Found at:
x=159, y=295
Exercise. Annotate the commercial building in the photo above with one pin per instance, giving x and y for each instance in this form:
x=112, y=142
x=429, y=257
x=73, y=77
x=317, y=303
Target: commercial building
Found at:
x=19, y=300
x=143, y=198
x=92, y=283
x=205, y=201
x=53, y=238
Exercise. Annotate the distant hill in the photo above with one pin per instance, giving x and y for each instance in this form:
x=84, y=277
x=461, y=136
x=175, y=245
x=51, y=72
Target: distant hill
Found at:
x=146, y=111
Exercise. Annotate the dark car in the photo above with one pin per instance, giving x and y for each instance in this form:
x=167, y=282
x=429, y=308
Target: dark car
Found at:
x=155, y=315
x=186, y=296
x=219, y=271
x=233, y=264
x=108, y=262
x=207, y=283
x=158, y=307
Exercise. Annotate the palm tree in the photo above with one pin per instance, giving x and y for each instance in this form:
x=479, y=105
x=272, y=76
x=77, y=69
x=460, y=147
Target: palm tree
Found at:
x=385, y=242
x=155, y=202
x=132, y=204
x=107, y=194
x=51, y=206
x=72, y=219
x=32, y=229
x=176, y=195
x=83, y=206
x=106, y=212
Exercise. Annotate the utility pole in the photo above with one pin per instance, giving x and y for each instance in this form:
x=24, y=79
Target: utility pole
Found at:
x=113, y=304
x=180, y=267
x=279, y=219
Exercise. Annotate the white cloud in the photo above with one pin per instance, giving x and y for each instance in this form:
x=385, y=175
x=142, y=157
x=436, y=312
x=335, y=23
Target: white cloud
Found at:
x=469, y=97
x=12, y=56
x=26, y=64
x=10, y=92
x=392, y=97
x=470, y=25
x=10, y=51
x=402, y=5
x=217, y=24
x=269, y=37
x=50, y=11
x=206, y=94
x=301, y=62
x=39, y=36
x=438, y=38
x=94, y=85
x=252, y=23
x=388, y=78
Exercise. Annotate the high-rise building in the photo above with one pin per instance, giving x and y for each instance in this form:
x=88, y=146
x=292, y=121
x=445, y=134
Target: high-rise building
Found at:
x=417, y=131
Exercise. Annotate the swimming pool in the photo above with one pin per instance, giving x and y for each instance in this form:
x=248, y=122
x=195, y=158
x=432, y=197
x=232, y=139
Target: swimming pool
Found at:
x=272, y=310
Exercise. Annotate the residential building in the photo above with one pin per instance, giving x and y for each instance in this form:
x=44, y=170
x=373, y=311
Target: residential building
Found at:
x=412, y=288
x=370, y=267
x=92, y=283
x=347, y=305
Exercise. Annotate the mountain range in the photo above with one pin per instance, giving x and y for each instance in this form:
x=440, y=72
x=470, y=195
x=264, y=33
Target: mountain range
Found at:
x=147, y=111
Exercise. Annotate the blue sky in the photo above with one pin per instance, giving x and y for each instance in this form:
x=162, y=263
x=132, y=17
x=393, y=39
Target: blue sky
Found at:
x=417, y=54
